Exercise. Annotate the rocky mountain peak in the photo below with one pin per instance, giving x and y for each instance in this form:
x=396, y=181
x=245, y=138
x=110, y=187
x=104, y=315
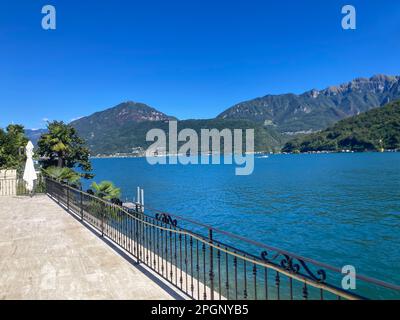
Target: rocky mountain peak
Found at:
x=377, y=83
x=318, y=109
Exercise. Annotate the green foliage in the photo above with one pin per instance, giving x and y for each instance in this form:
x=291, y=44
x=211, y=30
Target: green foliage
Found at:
x=12, y=144
x=62, y=174
x=63, y=147
x=374, y=130
x=106, y=190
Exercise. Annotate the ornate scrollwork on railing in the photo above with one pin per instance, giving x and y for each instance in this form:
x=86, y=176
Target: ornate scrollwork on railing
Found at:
x=295, y=265
x=264, y=256
x=289, y=265
x=166, y=218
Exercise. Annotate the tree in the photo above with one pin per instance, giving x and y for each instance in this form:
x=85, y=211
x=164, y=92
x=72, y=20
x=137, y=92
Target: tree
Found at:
x=62, y=147
x=12, y=143
x=106, y=190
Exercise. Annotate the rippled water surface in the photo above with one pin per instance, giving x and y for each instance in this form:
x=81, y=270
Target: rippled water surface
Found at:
x=336, y=208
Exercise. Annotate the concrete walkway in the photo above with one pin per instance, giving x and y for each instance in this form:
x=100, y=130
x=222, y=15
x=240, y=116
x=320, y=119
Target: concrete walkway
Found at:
x=47, y=254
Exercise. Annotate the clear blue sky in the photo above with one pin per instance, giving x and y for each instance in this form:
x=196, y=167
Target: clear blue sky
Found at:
x=191, y=59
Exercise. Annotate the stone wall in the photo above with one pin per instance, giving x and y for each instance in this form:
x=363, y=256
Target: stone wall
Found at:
x=8, y=182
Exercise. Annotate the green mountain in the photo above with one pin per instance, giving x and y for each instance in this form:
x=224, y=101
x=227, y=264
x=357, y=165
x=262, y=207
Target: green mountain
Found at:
x=373, y=130
x=34, y=134
x=125, y=138
x=121, y=114
x=124, y=127
x=316, y=110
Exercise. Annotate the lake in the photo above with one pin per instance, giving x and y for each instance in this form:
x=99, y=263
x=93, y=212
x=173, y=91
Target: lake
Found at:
x=335, y=208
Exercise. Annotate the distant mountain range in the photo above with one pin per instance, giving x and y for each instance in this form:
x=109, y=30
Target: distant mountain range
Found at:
x=315, y=110
x=374, y=130
x=275, y=118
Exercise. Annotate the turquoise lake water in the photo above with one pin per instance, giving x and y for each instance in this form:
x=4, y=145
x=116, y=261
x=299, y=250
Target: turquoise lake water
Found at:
x=339, y=209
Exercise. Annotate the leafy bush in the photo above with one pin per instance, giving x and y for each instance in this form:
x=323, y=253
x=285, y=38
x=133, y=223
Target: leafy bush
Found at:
x=12, y=142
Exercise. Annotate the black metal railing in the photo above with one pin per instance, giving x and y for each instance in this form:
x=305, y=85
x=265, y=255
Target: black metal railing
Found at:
x=207, y=263
x=17, y=187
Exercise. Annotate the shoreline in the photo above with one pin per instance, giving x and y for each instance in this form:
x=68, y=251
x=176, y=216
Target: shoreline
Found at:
x=254, y=153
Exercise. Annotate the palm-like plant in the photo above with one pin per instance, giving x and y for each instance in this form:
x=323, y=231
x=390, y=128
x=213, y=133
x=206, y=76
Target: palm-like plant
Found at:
x=57, y=141
x=61, y=146
x=62, y=174
x=106, y=190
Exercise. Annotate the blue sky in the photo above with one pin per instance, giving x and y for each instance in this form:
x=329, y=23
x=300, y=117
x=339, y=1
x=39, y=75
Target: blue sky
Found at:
x=190, y=59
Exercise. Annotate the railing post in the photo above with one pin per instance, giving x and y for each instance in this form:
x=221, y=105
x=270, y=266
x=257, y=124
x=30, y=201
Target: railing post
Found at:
x=81, y=202
x=211, y=274
x=68, y=197
x=137, y=239
x=58, y=193
x=102, y=221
